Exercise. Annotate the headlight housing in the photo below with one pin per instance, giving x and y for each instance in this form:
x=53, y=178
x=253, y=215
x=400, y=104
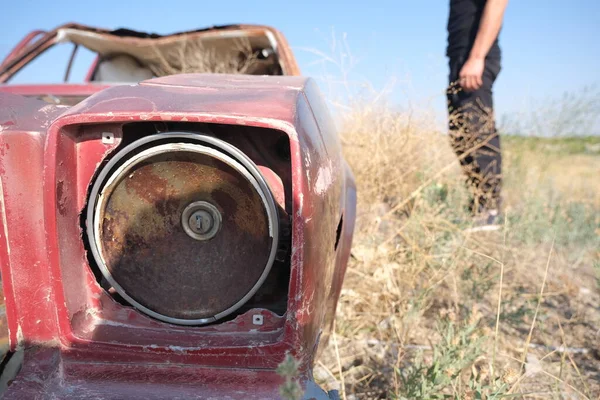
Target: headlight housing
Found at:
x=183, y=226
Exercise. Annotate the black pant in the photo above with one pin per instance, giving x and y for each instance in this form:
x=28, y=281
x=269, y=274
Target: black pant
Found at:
x=474, y=137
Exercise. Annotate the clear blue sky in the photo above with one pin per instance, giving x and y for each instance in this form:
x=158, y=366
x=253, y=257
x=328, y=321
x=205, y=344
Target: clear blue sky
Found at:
x=549, y=46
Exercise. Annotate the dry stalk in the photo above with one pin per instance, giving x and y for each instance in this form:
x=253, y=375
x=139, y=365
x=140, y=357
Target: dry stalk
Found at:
x=537, y=309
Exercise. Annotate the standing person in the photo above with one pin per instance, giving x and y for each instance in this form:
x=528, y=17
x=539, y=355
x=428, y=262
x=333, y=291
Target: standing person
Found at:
x=474, y=57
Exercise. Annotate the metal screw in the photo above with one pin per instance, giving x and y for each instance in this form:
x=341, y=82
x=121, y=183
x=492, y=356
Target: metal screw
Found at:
x=258, y=319
x=108, y=138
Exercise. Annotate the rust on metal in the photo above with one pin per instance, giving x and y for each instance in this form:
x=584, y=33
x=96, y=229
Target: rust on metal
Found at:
x=52, y=298
x=217, y=41
x=150, y=255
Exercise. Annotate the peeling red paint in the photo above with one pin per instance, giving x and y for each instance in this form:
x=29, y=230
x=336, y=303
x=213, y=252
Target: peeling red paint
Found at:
x=50, y=155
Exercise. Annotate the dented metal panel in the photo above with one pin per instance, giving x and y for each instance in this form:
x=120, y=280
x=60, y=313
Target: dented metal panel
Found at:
x=106, y=42
x=59, y=380
x=60, y=304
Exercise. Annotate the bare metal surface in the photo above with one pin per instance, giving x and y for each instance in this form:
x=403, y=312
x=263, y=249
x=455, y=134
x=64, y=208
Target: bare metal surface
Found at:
x=147, y=255
x=258, y=319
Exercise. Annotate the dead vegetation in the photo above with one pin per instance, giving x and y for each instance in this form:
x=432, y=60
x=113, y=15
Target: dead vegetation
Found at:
x=189, y=56
x=430, y=311
x=193, y=56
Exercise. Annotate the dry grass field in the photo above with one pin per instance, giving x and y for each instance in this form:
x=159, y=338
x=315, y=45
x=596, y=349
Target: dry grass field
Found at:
x=430, y=311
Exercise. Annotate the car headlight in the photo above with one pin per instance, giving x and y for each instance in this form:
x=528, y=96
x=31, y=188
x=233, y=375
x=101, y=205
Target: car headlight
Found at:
x=183, y=226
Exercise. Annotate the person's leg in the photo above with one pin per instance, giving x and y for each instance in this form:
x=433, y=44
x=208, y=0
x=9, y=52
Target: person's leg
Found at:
x=474, y=137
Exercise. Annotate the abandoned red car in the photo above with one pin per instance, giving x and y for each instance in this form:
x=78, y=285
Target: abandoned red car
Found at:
x=173, y=225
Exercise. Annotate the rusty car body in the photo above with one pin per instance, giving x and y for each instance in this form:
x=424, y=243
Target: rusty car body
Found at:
x=174, y=225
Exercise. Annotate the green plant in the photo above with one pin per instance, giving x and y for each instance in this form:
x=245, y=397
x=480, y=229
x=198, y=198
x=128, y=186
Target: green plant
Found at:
x=288, y=369
x=479, y=279
x=441, y=376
